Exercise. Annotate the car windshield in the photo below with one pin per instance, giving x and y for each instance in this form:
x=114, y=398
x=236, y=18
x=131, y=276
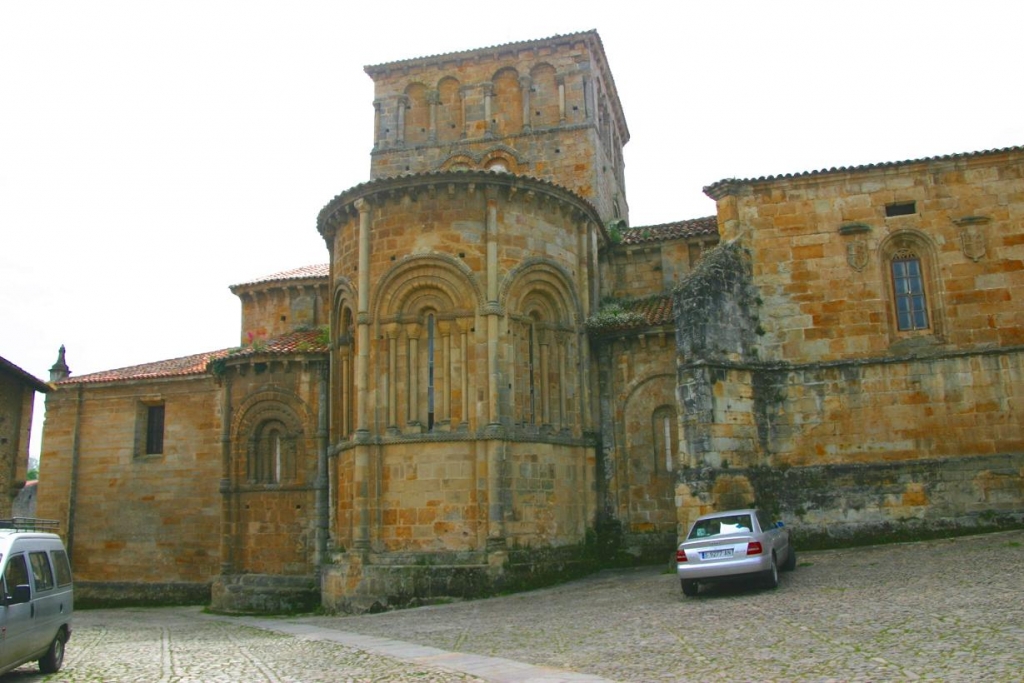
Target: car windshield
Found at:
x=718, y=526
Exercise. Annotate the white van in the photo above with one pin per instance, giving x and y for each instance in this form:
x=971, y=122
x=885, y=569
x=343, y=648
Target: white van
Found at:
x=36, y=598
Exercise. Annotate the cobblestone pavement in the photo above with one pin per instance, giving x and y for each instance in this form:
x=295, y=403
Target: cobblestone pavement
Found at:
x=950, y=610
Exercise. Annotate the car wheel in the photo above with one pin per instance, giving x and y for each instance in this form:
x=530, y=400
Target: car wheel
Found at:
x=54, y=657
x=790, y=563
x=771, y=578
x=689, y=588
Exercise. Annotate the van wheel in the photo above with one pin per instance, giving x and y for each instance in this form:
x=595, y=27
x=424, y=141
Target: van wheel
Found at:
x=54, y=657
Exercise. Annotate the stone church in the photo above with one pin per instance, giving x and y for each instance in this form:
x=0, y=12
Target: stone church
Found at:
x=496, y=378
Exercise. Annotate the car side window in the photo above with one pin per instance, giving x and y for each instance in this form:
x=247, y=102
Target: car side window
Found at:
x=61, y=566
x=41, y=570
x=16, y=573
x=762, y=519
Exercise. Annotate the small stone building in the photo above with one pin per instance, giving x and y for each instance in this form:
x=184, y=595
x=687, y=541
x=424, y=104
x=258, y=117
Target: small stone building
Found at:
x=496, y=379
x=17, y=403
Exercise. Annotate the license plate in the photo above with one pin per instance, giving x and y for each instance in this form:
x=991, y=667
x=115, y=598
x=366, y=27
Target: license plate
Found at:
x=715, y=554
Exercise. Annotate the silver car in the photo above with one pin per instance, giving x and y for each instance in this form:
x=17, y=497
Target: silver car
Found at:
x=736, y=544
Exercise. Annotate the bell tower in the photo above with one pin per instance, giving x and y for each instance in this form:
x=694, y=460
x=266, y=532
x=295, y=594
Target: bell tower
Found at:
x=545, y=108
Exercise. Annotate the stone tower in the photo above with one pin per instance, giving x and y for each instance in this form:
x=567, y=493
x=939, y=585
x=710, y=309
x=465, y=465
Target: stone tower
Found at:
x=542, y=108
x=462, y=275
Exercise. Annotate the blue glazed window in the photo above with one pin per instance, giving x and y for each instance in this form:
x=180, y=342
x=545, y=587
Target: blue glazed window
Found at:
x=908, y=285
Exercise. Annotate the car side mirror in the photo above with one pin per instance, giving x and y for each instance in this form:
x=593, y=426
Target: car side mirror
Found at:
x=22, y=594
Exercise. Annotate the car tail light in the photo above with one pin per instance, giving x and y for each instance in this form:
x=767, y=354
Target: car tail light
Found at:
x=680, y=555
x=754, y=548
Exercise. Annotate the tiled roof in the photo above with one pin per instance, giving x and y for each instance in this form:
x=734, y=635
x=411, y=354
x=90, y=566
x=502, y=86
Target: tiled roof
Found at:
x=31, y=380
x=304, y=273
x=716, y=190
x=175, y=367
x=633, y=314
x=463, y=54
x=694, y=227
x=300, y=341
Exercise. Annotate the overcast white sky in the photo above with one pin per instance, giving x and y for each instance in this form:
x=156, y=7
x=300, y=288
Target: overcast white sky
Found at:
x=154, y=153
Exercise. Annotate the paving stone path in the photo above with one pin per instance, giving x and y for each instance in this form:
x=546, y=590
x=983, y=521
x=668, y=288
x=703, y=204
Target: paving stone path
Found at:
x=950, y=610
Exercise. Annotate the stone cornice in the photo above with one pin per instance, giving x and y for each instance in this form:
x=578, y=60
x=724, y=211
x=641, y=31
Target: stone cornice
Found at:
x=342, y=207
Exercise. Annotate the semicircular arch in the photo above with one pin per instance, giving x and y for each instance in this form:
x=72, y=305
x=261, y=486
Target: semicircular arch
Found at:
x=453, y=283
x=541, y=283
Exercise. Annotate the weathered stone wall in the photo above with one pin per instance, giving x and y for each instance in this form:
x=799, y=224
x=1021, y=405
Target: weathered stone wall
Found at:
x=272, y=310
x=638, y=271
x=137, y=518
x=16, y=407
x=837, y=504
x=546, y=109
x=640, y=439
x=793, y=363
x=821, y=247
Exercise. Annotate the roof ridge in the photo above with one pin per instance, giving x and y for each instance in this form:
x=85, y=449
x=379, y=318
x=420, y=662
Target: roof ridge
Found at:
x=715, y=188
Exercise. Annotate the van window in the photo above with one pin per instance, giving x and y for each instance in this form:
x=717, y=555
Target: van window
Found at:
x=16, y=573
x=41, y=570
x=61, y=567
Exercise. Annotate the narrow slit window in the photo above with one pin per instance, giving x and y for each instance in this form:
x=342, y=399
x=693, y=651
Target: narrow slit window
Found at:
x=900, y=209
x=155, y=430
x=430, y=372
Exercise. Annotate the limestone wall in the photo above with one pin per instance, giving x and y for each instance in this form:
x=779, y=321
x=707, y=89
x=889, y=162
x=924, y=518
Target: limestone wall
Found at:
x=148, y=519
x=822, y=248
x=16, y=407
x=546, y=109
x=273, y=309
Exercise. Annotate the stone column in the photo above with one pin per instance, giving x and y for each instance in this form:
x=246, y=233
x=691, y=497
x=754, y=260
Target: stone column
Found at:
x=493, y=373
x=392, y=378
x=442, y=377
x=462, y=106
x=560, y=79
x=562, y=379
x=403, y=104
x=434, y=99
x=545, y=384
x=376, y=123
x=488, y=89
x=464, y=375
x=413, y=380
x=363, y=321
x=227, y=524
x=361, y=452
x=525, y=85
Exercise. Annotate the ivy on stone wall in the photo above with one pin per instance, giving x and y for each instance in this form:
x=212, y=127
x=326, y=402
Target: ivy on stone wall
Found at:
x=716, y=306
x=615, y=313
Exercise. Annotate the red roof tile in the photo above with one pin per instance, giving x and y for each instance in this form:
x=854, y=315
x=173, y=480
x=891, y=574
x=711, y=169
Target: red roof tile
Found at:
x=300, y=341
x=719, y=189
x=175, y=367
x=318, y=270
x=694, y=227
x=632, y=314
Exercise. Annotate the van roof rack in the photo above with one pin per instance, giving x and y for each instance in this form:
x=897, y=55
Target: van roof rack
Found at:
x=30, y=524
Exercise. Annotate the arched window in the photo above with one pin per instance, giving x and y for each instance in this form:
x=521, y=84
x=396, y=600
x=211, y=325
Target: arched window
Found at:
x=417, y=115
x=272, y=456
x=908, y=291
x=532, y=367
x=912, y=289
x=664, y=438
x=431, y=355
